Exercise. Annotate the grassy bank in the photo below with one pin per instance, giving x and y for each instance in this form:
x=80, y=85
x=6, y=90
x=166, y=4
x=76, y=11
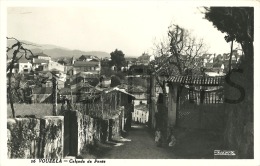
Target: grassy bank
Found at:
x=39, y=110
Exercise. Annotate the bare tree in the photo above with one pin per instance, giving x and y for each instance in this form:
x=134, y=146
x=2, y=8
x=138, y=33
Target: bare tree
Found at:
x=18, y=52
x=177, y=54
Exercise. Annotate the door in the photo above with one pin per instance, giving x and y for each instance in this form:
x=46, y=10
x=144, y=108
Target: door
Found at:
x=67, y=127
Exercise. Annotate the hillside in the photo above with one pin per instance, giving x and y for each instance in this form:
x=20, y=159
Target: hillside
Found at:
x=57, y=52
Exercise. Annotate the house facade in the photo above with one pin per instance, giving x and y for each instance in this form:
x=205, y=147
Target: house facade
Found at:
x=90, y=67
x=52, y=65
x=140, y=114
x=88, y=58
x=43, y=56
x=24, y=66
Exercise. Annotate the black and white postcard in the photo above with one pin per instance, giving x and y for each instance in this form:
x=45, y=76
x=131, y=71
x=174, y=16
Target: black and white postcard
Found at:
x=95, y=82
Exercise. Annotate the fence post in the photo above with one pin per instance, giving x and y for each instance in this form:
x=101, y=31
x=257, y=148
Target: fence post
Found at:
x=202, y=97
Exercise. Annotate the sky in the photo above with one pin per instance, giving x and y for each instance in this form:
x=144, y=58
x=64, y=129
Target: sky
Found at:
x=131, y=27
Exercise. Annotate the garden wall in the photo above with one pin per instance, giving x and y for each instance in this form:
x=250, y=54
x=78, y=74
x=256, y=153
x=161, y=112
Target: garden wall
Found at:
x=93, y=130
x=35, y=138
x=239, y=131
x=38, y=109
x=44, y=137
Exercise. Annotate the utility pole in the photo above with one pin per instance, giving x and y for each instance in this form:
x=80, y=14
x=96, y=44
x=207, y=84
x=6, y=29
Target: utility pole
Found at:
x=54, y=95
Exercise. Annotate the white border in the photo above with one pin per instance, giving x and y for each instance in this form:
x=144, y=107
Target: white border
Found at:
x=63, y=3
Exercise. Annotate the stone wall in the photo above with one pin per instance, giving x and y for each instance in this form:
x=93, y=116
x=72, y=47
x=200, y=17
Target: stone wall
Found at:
x=93, y=130
x=35, y=138
x=52, y=133
x=44, y=137
x=239, y=107
x=116, y=127
x=239, y=131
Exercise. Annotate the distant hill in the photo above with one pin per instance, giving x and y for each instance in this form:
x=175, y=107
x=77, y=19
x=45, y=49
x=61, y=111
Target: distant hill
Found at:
x=57, y=52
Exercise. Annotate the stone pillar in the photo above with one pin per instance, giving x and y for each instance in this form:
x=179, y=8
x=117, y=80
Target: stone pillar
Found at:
x=123, y=118
x=23, y=134
x=172, y=105
x=79, y=131
x=152, y=105
x=52, y=133
x=54, y=95
x=104, y=131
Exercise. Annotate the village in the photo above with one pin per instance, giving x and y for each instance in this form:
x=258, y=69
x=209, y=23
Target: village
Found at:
x=173, y=104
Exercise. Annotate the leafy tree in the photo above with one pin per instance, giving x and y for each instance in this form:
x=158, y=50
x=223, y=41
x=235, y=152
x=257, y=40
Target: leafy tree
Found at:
x=121, y=75
x=93, y=81
x=238, y=25
x=117, y=59
x=236, y=22
x=141, y=82
x=104, y=63
x=115, y=80
x=107, y=71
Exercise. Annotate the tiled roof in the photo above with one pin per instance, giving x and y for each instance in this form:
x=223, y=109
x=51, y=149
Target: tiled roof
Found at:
x=45, y=90
x=24, y=60
x=85, y=64
x=137, y=89
x=89, y=98
x=40, y=61
x=119, y=90
x=196, y=80
x=63, y=61
x=83, y=75
x=142, y=107
x=88, y=57
x=42, y=54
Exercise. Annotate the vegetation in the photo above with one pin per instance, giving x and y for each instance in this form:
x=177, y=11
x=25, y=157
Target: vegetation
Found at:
x=115, y=80
x=238, y=25
x=117, y=59
x=39, y=110
x=18, y=52
x=107, y=71
x=22, y=138
x=177, y=55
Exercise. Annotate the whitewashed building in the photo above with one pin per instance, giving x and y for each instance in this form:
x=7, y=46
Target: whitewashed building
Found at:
x=24, y=66
x=140, y=114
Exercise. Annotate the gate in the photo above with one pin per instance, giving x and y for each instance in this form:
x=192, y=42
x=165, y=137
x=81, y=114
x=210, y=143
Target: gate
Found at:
x=70, y=133
x=201, y=107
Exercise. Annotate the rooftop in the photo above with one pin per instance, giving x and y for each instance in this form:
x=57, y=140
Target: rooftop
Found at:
x=88, y=57
x=142, y=107
x=119, y=90
x=85, y=64
x=24, y=60
x=39, y=61
x=42, y=90
x=41, y=54
x=196, y=80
